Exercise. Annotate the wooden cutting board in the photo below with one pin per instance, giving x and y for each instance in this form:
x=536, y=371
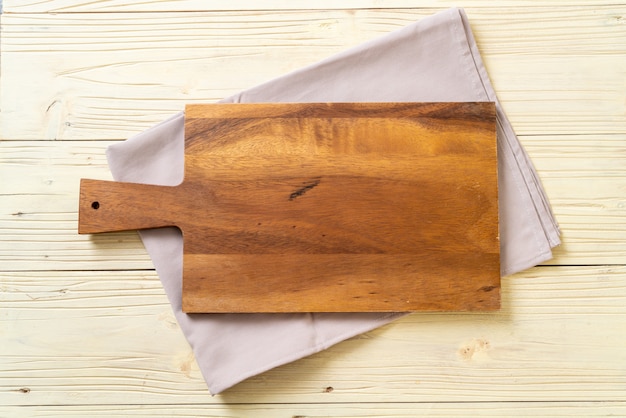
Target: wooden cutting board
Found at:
x=344, y=207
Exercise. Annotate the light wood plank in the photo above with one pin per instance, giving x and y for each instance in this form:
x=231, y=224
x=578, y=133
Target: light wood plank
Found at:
x=81, y=338
x=73, y=6
x=106, y=344
x=556, y=70
x=338, y=410
x=38, y=213
x=584, y=177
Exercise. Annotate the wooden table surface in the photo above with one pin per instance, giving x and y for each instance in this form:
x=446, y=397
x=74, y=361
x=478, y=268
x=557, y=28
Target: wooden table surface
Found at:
x=85, y=326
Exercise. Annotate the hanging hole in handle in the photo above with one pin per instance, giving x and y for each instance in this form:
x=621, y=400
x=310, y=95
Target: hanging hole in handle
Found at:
x=95, y=205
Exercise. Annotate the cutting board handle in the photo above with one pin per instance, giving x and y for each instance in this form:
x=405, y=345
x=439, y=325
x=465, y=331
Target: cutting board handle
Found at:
x=107, y=206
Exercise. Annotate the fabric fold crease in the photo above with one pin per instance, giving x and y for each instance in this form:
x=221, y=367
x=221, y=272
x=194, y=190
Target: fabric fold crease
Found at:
x=435, y=59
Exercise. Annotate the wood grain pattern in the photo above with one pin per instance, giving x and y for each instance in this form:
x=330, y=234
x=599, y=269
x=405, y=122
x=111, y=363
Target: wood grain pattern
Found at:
x=344, y=410
x=85, y=327
x=38, y=213
x=329, y=207
x=133, y=70
x=109, y=6
x=110, y=338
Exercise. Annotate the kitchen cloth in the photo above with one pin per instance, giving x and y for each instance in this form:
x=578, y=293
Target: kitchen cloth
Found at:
x=433, y=60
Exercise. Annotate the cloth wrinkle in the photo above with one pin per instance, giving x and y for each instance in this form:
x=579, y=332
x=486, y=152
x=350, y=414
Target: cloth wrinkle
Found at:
x=434, y=59
x=465, y=56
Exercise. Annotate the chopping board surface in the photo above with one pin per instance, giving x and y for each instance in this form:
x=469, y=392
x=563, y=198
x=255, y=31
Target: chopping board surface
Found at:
x=326, y=207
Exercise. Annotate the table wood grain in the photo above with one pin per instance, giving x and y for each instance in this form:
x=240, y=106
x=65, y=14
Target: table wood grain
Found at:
x=85, y=327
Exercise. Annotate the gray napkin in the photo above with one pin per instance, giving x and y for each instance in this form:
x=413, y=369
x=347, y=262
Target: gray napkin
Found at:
x=435, y=59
